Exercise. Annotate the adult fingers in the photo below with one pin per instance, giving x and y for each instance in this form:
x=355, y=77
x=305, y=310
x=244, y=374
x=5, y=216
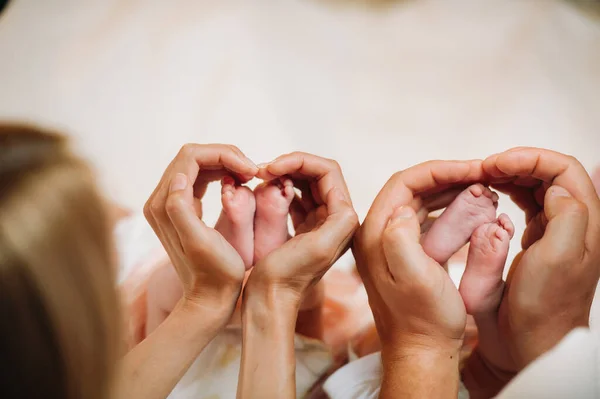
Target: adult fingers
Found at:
x=523, y=197
x=564, y=241
x=404, y=186
x=195, y=241
x=326, y=173
x=545, y=165
x=405, y=257
x=332, y=238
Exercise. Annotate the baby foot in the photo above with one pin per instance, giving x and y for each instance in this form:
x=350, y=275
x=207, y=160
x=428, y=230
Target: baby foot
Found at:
x=481, y=286
x=236, y=222
x=451, y=231
x=273, y=201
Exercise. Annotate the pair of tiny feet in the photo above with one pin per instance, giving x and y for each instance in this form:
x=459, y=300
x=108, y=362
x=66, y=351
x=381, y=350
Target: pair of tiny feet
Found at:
x=471, y=218
x=255, y=222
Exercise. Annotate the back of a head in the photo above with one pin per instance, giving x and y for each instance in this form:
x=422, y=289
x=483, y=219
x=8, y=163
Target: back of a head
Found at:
x=59, y=333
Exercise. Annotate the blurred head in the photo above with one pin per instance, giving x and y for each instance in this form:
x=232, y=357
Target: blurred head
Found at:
x=59, y=333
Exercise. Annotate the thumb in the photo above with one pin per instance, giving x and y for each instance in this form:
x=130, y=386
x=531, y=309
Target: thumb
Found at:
x=564, y=239
x=180, y=209
x=401, y=245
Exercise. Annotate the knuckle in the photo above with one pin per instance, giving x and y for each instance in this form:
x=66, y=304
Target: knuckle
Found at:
x=187, y=149
x=233, y=148
x=351, y=219
x=571, y=159
x=172, y=205
x=154, y=209
x=147, y=211
x=395, y=176
x=333, y=164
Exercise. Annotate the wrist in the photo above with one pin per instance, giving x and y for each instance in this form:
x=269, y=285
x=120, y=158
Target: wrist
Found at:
x=269, y=315
x=265, y=303
x=205, y=314
x=420, y=371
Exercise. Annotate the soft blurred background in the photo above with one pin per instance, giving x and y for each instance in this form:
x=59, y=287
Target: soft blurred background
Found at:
x=376, y=85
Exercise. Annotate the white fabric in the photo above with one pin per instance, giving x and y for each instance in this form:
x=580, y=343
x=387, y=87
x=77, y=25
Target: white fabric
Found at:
x=215, y=372
x=570, y=370
x=361, y=379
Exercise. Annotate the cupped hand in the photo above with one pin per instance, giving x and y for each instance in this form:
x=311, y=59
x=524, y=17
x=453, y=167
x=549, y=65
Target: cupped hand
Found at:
x=414, y=302
x=551, y=284
x=324, y=219
x=210, y=269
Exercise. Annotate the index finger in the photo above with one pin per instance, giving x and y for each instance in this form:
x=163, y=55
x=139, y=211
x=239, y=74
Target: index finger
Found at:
x=404, y=189
x=544, y=165
x=325, y=172
x=425, y=178
x=193, y=158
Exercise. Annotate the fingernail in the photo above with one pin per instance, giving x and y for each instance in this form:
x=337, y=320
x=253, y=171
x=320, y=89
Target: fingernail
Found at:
x=179, y=182
x=558, y=191
x=339, y=194
x=404, y=212
x=250, y=163
x=264, y=164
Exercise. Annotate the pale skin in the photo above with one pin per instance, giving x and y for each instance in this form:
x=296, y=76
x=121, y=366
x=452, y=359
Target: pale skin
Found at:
x=210, y=269
x=471, y=217
x=325, y=223
x=254, y=223
x=212, y=272
x=562, y=212
x=419, y=314
x=420, y=342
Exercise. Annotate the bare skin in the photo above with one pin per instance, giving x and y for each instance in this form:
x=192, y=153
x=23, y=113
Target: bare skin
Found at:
x=235, y=224
x=254, y=223
x=471, y=217
x=452, y=230
x=273, y=201
x=481, y=286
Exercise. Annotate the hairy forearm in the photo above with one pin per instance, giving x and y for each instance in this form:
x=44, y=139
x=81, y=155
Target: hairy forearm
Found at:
x=420, y=374
x=268, y=366
x=153, y=368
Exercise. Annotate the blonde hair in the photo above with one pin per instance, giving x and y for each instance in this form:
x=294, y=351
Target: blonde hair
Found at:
x=59, y=320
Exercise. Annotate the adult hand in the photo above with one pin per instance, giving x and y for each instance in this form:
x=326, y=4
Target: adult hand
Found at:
x=419, y=314
x=210, y=269
x=551, y=284
x=323, y=217
x=325, y=222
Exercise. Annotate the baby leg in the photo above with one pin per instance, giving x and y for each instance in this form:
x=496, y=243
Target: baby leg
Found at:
x=236, y=222
x=482, y=287
x=273, y=201
x=164, y=291
x=451, y=231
